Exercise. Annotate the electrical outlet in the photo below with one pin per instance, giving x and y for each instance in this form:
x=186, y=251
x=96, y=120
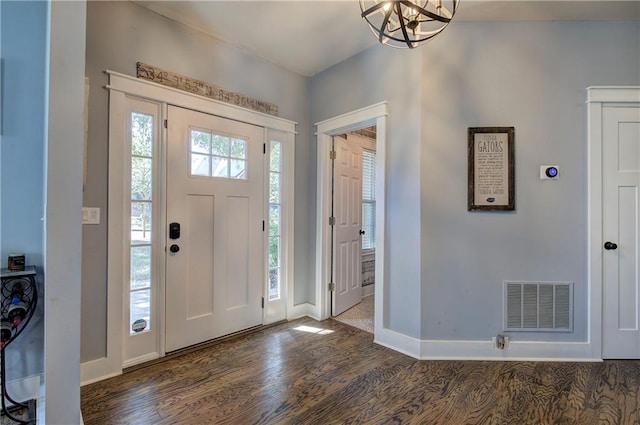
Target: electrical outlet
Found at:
x=501, y=342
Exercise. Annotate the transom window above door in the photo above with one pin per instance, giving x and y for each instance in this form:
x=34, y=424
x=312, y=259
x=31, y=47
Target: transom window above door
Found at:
x=217, y=155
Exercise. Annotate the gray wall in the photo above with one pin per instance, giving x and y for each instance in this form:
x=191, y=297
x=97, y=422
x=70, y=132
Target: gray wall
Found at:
x=379, y=74
x=446, y=265
x=118, y=35
x=24, y=43
x=532, y=76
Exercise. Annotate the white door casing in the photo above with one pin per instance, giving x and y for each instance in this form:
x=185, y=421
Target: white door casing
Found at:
x=621, y=223
x=121, y=87
x=347, y=205
x=371, y=115
x=214, y=283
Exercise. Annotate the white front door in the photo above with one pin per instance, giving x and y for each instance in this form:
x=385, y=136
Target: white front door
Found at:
x=215, y=180
x=621, y=225
x=347, y=201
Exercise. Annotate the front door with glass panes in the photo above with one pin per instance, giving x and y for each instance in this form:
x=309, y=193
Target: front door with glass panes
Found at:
x=215, y=229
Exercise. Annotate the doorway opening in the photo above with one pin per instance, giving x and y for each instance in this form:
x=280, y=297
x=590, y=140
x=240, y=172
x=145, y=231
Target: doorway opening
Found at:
x=353, y=236
x=372, y=116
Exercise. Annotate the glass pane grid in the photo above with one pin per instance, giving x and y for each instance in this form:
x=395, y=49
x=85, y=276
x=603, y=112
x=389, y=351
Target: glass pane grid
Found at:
x=217, y=155
x=141, y=134
x=140, y=224
x=274, y=187
x=274, y=283
x=275, y=159
x=275, y=191
x=141, y=177
x=140, y=308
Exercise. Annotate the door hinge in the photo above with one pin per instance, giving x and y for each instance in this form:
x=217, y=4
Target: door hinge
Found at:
x=263, y=225
x=166, y=124
x=262, y=302
x=332, y=221
x=264, y=148
x=332, y=286
x=332, y=154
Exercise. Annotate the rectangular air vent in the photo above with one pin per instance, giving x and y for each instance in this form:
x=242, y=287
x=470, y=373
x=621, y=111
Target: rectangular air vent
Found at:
x=538, y=306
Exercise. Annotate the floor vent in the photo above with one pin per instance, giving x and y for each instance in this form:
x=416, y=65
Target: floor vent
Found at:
x=538, y=306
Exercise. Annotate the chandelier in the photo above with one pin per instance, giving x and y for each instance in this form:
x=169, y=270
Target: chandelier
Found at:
x=407, y=23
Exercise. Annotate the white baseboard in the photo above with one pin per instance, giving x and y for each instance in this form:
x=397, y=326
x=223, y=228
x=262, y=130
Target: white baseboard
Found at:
x=141, y=359
x=303, y=310
x=518, y=351
x=100, y=369
x=368, y=290
x=97, y=370
x=398, y=342
x=485, y=350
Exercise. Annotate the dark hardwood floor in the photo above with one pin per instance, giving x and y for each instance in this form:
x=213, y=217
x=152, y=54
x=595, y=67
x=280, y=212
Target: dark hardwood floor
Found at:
x=282, y=375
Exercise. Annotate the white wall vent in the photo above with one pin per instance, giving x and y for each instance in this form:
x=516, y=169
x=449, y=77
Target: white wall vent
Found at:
x=538, y=306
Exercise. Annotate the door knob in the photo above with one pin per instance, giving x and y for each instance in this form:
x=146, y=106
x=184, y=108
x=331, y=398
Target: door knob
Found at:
x=362, y=232
x=174, y=248
x=610, y=246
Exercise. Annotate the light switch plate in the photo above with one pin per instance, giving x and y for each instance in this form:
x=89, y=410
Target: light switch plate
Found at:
x=90, y=215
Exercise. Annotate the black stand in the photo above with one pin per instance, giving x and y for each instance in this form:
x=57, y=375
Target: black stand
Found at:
x=29, y=296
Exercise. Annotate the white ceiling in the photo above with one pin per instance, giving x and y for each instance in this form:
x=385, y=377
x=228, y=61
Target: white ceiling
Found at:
x=309, y=36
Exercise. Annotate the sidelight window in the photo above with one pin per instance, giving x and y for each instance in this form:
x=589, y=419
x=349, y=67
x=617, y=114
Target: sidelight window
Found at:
x=140, y=248
x=275, y=222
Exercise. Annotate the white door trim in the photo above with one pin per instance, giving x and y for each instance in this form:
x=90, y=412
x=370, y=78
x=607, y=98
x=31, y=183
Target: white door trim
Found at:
x=371, y=115
x=120, y=87
x=596, y=97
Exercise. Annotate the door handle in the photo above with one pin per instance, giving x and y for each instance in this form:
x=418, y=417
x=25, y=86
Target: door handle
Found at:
x=174, y=248
x=610, y=246
x=362, y=232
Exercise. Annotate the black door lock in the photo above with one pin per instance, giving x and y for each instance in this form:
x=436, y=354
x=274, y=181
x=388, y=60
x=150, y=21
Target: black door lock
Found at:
x=174, y=231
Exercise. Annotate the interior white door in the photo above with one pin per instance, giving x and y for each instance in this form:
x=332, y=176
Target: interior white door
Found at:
x=621, y=223
x=214, y=267
x=347, y=210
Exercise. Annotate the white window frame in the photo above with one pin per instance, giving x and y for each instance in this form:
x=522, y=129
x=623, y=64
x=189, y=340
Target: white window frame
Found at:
x=136, y=345
x=277, y=309
x=120, y=88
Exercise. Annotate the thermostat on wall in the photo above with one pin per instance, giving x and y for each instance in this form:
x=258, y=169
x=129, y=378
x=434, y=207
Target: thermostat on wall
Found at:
x=549, y=172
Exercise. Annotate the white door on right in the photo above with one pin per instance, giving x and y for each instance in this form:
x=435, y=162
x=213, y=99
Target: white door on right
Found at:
x=621, y=224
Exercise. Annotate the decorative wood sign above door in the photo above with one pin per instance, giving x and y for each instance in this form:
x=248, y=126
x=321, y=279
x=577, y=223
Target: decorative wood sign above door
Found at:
x=191, y=85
